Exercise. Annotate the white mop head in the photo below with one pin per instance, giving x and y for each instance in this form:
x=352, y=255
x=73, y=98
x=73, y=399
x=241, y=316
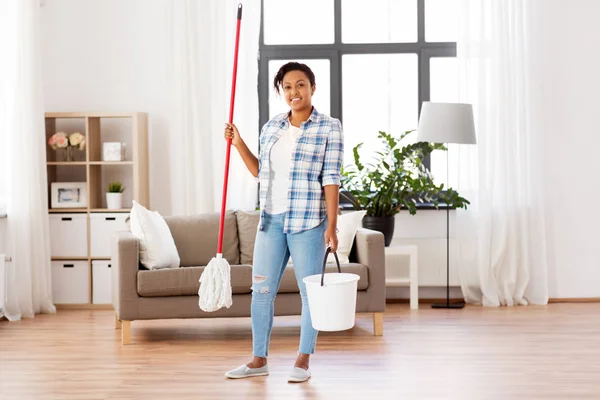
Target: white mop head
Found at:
x=215, y=285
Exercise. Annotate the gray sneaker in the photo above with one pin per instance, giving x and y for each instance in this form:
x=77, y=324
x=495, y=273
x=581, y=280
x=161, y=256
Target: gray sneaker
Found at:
x=299, y=375
x=243, y=371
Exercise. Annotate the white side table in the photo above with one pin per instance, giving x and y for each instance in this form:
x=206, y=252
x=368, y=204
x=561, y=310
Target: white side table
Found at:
x=393, y=256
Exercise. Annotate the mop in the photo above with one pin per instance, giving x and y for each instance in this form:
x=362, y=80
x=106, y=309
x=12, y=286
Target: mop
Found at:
x=215, y=281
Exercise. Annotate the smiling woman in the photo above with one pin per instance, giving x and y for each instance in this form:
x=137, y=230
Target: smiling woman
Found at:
x=321, y=99
x=298, y=167
x=298, y=84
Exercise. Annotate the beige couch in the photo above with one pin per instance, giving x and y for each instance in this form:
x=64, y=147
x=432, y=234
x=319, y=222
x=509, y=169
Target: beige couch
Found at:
x=141, y=294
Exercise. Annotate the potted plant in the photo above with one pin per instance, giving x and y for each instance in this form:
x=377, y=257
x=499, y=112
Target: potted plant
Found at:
x=395, y=179
x=114, y=197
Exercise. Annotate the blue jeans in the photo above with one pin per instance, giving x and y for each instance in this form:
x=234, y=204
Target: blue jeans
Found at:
x=272, y=251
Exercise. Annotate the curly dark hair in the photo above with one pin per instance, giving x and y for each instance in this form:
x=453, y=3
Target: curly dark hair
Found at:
x=292, y=66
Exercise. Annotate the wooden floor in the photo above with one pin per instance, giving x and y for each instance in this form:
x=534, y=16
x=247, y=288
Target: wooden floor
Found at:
x=550, y=352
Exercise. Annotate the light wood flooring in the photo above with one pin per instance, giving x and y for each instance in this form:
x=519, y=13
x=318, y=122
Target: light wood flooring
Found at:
x=534, y=352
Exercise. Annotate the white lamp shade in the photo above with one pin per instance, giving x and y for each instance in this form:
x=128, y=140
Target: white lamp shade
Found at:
x=446, y=123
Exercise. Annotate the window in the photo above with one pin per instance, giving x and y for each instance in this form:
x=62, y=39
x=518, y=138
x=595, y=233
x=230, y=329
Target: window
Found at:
x=375, y=62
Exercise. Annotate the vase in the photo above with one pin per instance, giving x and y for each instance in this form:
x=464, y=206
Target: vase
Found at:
x=384, y=225
x=113, y=201
x=68, y=154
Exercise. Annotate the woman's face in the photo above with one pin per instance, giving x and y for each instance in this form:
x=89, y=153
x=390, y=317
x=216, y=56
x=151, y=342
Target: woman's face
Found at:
x=297, y=90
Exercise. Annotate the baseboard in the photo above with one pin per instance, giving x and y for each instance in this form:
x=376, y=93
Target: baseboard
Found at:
x=575, y=300
x=424, y=301
x=84, y=307
x=388, y=301
x=553, y=300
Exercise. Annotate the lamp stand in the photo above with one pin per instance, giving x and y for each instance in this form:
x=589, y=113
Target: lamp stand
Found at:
x=447, y=304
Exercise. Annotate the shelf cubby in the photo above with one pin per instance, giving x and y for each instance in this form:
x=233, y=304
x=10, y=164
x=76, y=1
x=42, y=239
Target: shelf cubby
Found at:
x=61, y=123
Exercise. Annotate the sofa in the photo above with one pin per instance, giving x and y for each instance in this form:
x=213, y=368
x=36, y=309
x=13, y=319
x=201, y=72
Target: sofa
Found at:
x=139, y=293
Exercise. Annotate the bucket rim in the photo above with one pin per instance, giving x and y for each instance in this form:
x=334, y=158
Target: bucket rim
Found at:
x=354, y=277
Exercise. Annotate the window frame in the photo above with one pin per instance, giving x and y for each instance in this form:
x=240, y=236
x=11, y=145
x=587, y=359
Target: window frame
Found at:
x=336, y=50
x=334, y=53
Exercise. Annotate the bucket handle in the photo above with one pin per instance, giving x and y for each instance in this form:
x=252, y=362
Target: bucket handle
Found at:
x=337, y=261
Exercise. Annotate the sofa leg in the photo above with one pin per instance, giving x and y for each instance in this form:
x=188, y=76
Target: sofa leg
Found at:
x=125, y=332
x=378, y=323
x=117, y=322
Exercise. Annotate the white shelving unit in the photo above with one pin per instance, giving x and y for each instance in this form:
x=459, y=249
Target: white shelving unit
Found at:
x=80, y=237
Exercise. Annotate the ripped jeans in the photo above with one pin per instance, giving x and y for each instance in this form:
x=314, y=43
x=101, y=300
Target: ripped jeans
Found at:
x=272, y=250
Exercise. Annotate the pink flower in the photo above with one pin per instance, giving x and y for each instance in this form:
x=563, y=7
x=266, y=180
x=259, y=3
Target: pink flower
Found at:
x=58, y=140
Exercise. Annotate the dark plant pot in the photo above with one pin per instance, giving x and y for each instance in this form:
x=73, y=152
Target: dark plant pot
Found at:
x=384, y=225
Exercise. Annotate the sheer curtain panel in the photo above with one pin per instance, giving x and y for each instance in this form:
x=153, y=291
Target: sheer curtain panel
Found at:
x=502, y=236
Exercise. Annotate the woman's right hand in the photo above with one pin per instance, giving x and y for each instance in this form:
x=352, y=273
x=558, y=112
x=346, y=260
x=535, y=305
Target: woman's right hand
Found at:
x=231, y=132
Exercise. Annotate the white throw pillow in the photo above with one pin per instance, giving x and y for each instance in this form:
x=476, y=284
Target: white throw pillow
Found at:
x=347, y=223
x=157, y=247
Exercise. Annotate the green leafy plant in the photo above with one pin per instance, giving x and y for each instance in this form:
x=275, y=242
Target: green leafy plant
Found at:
x=396, y=179
x=116, y=187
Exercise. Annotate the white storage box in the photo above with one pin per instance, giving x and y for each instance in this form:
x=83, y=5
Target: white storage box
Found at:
x=70, y=282
x=102, y=227
x=101, y=282
x=68, y=235
x=113, y=151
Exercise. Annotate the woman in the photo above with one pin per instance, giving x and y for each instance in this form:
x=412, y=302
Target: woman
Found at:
x=298, y=168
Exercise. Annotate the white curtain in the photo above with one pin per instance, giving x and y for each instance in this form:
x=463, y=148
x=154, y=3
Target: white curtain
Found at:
x=501, y=237
x=24, y=160
x=201, y=41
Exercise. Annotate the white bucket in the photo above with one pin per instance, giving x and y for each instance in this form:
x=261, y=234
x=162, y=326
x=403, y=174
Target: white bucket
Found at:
x=333, y=305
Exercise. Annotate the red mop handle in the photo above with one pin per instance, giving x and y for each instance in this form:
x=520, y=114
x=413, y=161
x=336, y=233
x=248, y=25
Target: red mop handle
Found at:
x=227, y=155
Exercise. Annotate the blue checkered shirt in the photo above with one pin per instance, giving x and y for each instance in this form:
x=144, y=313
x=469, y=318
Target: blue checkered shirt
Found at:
x=316, y=162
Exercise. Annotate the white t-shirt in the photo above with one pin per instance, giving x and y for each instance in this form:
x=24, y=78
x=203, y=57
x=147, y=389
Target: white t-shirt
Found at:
x=280, y=163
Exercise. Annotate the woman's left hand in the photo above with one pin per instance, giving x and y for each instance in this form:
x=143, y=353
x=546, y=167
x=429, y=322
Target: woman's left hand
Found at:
x=331, y=239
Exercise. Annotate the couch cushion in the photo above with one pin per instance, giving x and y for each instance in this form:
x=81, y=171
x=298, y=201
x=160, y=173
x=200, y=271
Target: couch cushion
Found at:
x=185, y=281
x=289, y=285
x=247, y=224
x=197, y=236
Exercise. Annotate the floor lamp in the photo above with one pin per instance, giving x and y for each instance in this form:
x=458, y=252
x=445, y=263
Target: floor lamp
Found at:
x=447, y=123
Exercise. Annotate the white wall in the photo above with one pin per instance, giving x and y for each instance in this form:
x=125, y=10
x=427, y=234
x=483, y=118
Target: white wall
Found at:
x=566, y=62
x=111, y=56
x=3, y=237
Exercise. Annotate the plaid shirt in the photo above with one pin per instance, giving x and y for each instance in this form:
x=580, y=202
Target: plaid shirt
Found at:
x=317, y=161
